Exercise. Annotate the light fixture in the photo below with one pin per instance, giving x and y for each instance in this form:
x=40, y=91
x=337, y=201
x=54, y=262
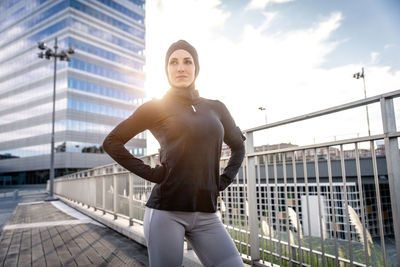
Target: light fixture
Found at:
x=62, y=55
x=42, y=45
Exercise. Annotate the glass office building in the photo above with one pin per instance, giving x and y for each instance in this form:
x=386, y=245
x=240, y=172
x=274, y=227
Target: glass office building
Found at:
x=101, y=85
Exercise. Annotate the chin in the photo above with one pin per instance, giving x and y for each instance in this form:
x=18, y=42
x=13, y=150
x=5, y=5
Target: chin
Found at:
x=181, y=85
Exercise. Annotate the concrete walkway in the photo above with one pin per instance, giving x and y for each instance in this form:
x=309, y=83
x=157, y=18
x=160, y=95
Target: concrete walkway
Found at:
x=42, y=233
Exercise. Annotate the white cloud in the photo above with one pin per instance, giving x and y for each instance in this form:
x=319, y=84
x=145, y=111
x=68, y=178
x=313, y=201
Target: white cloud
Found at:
x=261, y=4
x=387, y=46
x=282, y=72
x=375, y=57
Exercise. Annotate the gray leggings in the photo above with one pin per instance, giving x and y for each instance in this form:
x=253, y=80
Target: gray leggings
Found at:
x=164, y=232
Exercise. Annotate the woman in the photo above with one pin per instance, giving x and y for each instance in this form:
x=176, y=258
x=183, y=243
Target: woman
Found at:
x=190, y=130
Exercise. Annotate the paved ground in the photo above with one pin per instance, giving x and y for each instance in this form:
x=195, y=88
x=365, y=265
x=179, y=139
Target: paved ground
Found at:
x=49, y=234
x=7, y=206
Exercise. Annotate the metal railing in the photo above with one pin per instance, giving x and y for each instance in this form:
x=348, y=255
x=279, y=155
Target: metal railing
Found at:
x=307, y=205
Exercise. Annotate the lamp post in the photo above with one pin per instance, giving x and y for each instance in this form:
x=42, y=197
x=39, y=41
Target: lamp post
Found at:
x=48, y=53
x=357, y=76
x=265, y=113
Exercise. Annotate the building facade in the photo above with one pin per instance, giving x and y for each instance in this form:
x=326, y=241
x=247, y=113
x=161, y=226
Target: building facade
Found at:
x=101, y=85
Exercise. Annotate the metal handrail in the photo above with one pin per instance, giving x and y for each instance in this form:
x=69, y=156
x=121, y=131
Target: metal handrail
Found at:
x=351, y=105
x=326, y=144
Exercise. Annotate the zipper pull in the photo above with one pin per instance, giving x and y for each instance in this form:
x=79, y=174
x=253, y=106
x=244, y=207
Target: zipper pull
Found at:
x=194, y=109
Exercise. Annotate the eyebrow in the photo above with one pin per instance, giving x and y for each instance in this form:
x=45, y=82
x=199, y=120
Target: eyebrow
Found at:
x=175, y=58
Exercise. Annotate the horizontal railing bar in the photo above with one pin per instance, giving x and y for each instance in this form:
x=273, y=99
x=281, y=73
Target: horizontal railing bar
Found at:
x=256, y=263
x=243, y=231
x=105, y=166
x=354, y=104
x=323, y=145
x=134, y=200
x=66, y=178
x=277, y=255
x=241, y=242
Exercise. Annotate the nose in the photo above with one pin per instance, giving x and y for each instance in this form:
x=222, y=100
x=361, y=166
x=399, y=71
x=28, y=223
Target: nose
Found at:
x=181, y=67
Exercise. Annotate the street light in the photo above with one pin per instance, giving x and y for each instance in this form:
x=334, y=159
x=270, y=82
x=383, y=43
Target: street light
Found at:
x=357, y=76
x=265, y=113
x=48, y=53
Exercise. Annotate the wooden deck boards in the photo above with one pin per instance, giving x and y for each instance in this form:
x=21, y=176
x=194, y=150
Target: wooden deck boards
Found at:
x=64, y=245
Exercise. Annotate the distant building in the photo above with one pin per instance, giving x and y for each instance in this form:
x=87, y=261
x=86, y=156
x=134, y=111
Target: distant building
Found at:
x=273, y=147
x=380, y=150
x=348, y=154
x=97, y=89
x=226, y=151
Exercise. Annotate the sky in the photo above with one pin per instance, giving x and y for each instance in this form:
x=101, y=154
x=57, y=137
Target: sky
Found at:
x=291, y=57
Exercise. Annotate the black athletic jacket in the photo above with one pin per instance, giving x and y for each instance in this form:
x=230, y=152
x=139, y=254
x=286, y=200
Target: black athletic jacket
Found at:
x=190, y=130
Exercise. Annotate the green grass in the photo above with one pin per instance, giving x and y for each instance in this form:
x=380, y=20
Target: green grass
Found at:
x=376, y=258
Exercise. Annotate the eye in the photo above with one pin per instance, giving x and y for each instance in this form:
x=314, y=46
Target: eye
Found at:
x=173, y=62
x=188, y=61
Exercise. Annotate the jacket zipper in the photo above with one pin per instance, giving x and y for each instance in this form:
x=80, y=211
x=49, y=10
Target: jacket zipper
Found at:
x=194, y=109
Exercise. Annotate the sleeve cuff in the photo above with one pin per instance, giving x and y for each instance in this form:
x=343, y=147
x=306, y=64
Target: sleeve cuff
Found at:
x=158, y=174
x=224, y=182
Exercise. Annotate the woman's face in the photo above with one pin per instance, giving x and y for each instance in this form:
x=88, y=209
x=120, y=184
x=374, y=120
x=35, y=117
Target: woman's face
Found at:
x=181, y=69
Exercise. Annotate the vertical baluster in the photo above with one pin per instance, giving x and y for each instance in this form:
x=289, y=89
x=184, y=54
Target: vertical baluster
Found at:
x=346, y=203
x=130, y=197
x=286, y=207
x=299, y=239
x=232, y=206
x=277, y=213
x=225, y=202
x=378, y=199
x=103, y=194
x=239, y=213
x=308, y=205
x=232, y=220
x=332, y=204
x=247, y=213
x=393, y=166
x=360, y=195
x=320, y=217
x=259, y=198
x=269, y=199
x=252, y=200
x=115, y=194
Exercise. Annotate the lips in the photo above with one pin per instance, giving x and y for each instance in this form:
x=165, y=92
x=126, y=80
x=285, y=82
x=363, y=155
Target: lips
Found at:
x=181, y=77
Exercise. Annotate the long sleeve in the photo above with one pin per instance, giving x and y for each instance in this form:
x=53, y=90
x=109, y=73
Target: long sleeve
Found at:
x=234, y=139
x=143, y=118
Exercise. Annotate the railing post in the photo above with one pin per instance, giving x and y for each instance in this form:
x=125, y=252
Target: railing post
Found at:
x=130, y=195
x=393, y=166
x=92, y=188
x=88, y=192
x=103, y=194
x=115, y=194
x=252, y=195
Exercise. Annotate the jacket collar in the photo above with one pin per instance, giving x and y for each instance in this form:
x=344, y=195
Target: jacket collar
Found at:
x=183, y=94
